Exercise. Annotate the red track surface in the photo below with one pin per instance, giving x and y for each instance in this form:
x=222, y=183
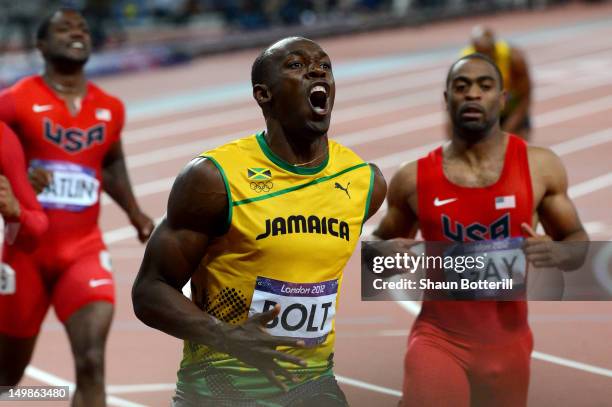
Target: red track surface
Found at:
x=569, y=70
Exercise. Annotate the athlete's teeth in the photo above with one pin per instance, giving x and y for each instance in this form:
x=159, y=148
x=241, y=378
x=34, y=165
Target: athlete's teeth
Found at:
x=78, y=45
x=318, y=88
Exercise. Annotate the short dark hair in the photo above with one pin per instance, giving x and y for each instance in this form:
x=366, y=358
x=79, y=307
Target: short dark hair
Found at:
x=482, y=57
x=258, y=70
x=43, y=27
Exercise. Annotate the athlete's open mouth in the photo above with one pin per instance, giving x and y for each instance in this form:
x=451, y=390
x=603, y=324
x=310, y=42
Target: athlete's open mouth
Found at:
x=472, y=112
x=318, y=99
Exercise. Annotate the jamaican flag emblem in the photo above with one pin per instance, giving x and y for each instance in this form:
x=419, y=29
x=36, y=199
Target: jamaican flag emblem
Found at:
x=259, y=174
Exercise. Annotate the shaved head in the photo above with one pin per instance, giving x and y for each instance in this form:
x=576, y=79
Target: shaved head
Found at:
x=259, y=71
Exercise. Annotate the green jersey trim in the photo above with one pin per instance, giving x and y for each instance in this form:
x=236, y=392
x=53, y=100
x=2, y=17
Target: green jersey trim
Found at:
x=285, y=165
x=227, y=189
x=301, y=186
x=368, y=199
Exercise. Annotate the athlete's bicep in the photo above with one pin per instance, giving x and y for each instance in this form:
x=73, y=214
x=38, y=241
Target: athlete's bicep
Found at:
x=400, y=219
x=556, y=210
x=172, y=255
x=197, y=209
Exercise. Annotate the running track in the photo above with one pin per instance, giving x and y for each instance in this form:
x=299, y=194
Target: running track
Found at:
x=389, y=109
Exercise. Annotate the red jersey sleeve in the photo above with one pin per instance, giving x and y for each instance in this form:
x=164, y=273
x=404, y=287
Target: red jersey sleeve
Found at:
x=8, y=110
x=33, y=220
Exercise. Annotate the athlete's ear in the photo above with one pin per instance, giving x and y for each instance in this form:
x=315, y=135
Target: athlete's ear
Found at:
x=261, y=93
x=502, y=104
x=446, y=100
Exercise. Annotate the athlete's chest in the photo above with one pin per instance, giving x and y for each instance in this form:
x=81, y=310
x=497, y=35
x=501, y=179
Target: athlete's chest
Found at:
x=47, y=124
x=448, y=211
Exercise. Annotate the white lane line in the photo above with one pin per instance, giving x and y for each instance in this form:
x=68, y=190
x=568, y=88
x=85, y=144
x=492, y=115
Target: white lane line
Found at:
x=591, y=185
x=54, y=380
x=368, y=386
x=155, y=387
x=563, y=148
x=396, y=159
x=414, y=307
x=374, y=133
x=371, y=89
x=572, y=364
x=139, y=388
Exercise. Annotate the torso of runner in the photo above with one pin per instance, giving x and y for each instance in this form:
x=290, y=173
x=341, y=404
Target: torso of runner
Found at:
x=72, y=147
x=291, y=231
x=449, y=212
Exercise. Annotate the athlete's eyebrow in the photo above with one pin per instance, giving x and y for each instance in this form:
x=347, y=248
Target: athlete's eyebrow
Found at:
x=299, y=52
x=470, y=80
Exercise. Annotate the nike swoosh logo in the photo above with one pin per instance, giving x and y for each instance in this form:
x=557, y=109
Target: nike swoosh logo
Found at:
x=438, y=202
x=97, y=283
x=41, y=108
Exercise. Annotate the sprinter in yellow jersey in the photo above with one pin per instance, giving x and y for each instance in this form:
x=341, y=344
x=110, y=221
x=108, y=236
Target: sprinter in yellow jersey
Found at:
x=515, y=72
x=263, y=227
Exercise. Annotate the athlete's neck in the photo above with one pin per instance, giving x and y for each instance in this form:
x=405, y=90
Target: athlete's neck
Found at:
x=306, y=151
x=491, y=146
x=64, y=83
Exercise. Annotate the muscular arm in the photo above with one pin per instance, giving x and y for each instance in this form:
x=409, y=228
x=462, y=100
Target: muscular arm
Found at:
x=116, y=183
x=557, y=214
x=18, y=202
x=400, y=219
x=197, y=204
x=556, y=210
x=197, y=212
x=521, y=87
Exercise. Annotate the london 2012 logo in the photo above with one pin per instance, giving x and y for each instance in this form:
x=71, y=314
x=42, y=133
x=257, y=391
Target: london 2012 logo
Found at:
x=260, y=179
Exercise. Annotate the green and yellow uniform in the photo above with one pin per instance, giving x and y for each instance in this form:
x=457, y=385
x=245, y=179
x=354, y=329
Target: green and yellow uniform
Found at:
x=290, y=232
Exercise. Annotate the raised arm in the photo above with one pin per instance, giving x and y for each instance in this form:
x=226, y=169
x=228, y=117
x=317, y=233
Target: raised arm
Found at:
x=197, y=212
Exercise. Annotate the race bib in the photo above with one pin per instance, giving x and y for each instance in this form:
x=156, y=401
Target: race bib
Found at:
x=7, y=280
x=74, y=187
x=307, y=309
x=500, y=273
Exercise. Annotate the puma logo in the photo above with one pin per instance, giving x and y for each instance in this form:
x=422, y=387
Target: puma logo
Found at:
x=338, y=186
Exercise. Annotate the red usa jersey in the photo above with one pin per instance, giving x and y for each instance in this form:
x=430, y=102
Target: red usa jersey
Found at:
x=449, y=212
x=72, y=147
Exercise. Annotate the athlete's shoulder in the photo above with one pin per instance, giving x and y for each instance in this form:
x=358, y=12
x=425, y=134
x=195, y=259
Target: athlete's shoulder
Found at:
x=198, y=199
x=339, y=150
x=546, y=166
x=543, y=158
x=103, y=96
x=27, y=83
x=22, y=90
x=242, y=145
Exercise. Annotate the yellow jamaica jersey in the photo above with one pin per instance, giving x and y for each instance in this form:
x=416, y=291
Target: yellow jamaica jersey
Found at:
x=290, y=232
